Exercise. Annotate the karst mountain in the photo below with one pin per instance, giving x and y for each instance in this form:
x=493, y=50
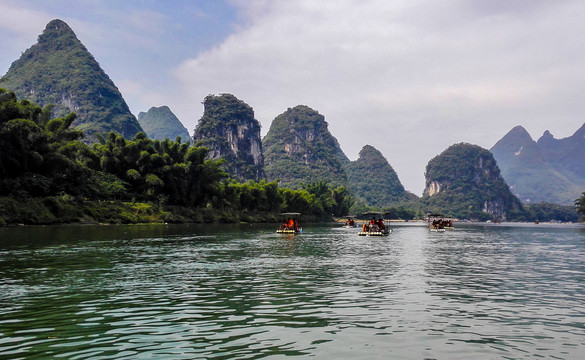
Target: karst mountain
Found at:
x=59, y=70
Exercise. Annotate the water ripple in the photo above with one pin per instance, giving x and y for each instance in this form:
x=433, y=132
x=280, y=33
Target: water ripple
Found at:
x=230, y=293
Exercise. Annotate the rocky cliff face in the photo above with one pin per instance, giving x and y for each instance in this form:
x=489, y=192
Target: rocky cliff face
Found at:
x=373, y=180
x=465, y=181
x=59, y=70
x=299, y=149
x=160, y=123
x=549, y=170
x=228, y=129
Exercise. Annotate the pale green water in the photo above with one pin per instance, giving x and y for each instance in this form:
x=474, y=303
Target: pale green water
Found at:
x=244, y=292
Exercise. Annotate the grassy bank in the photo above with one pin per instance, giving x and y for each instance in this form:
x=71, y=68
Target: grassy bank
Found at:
x=67, y=210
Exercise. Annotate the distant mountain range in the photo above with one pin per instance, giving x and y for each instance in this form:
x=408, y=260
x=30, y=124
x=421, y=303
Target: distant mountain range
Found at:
x=547, y=170
x=59, y=70
x=298, y=148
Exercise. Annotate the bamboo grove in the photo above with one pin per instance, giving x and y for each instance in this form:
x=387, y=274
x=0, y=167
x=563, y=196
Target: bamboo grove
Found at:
x=43, y=157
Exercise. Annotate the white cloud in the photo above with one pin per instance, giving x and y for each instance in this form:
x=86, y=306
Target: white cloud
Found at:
x=19, y=27
x=409, y=78
x=20, y=20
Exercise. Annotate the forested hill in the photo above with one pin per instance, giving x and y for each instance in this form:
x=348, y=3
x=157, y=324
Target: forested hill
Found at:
x=230, y=131
x=465, y=181
x=59, y=70
x=373, y=180
x=48, y=176
x=299, y=149
x=160, y=123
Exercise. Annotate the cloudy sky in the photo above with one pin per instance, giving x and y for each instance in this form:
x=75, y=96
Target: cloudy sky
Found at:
x=407, y=77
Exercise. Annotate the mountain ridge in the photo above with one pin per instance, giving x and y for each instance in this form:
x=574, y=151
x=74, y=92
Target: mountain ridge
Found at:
x=546, y=170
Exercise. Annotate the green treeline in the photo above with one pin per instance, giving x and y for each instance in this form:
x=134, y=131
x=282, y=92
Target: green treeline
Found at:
x=153, y=180
x=49, y=175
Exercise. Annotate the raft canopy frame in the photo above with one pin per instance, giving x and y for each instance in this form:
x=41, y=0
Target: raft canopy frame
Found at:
x=376, y=232
x=290, y=215
x=349, y=218
x=436, y=216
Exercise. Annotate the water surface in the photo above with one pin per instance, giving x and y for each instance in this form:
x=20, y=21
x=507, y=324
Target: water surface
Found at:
x=244, y=292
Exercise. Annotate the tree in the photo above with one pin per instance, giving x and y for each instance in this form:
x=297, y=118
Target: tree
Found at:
x=580, y=204
x=39, y=156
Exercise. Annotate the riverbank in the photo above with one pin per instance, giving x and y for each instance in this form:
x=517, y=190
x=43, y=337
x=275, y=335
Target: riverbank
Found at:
x=67, y=210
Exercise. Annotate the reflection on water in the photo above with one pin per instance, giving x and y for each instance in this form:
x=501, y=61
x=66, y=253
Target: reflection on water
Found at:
x=225, y=292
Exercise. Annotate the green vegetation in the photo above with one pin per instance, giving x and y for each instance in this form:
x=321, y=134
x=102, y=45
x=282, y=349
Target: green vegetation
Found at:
x=467, y=184
x=374, y=181
x=318, y=200
x=160, y=123
x=230, y=132
x=299, y=149
x=48, y=176
x=59, y=70
x=548, y=212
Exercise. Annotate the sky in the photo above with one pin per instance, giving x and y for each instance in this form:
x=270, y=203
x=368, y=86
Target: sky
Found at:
x=410, y=77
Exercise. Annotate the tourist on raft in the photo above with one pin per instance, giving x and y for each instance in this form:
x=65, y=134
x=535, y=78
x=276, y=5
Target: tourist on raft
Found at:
x=290, y=224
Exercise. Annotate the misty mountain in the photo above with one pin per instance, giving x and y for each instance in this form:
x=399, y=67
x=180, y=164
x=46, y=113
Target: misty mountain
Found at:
x=547, y=170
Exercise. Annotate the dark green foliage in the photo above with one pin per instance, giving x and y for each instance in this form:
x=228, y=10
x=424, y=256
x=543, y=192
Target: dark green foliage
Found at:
x=37, y=157
x=164, y=171
x=297, y=200
x=64, y=209
x=547, y=212
x=230, y=132
x=42, y=158
x=160, y=123
x=317, y=199
x=52, y=177
x=34, y=211
x=252, y=196
x=59, y=70
x=464, y=181
x=328, y=200
x=299, y=149
x=372, y=179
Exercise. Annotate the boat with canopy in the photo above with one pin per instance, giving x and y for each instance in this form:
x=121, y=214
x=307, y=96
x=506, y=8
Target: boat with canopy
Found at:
x=377, y=226
x=290, y=223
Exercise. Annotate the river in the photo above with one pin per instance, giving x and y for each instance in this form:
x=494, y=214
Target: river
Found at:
x=244, y=292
